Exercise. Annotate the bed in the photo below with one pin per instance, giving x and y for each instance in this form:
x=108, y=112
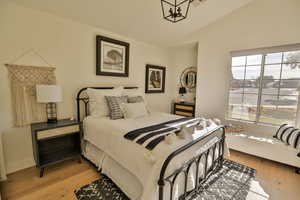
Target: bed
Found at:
x=164, y=171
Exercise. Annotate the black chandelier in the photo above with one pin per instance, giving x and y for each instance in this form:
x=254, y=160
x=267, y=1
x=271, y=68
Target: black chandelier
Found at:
x=177, y=10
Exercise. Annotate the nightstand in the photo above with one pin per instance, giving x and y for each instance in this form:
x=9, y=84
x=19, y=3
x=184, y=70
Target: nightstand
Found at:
x=184, y=109
x=56, y=142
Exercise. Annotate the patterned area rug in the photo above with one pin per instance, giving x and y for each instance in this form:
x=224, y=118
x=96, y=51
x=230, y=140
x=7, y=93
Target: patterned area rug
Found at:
x=232, y=182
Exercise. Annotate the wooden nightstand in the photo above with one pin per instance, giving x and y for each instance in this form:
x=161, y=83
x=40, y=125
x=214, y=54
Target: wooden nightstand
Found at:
x=184, y=109
x=53, y=143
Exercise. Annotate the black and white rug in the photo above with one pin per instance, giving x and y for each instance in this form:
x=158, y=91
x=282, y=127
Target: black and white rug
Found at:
x=232, y=182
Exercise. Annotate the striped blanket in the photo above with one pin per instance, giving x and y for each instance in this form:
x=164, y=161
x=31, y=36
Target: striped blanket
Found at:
x=155, y=134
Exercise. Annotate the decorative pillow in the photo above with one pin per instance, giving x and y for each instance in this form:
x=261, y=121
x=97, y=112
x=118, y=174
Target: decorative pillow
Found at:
x=135, y=93
x=97, y=103
x=289, y=135
x=281, y=130
x=135, y=99
x=113, y=103
x=294, y=139
x=134, y=110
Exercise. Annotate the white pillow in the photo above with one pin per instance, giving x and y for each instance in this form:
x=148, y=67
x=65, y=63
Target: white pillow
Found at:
x=134, y=110
x=97, y=102
x=135, y=93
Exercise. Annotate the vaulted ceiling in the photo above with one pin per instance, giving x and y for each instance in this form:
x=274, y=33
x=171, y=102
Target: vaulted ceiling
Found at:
x=138, y=19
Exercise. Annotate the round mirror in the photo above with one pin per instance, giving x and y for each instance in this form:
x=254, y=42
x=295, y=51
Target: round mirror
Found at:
x=188, y=78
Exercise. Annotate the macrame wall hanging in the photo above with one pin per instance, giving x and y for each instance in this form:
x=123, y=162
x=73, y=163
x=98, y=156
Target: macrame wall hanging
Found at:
x=23, y=81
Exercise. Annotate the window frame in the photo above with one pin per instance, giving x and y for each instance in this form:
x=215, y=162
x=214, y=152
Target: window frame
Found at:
x=260, y=93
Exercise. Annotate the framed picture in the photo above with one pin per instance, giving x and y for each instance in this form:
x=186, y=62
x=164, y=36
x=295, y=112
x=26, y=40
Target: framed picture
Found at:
x=155, y=79
x=112, y=57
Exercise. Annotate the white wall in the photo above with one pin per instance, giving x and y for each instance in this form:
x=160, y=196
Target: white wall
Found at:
x=262, y=23
x=182, y=57
x=70, y=47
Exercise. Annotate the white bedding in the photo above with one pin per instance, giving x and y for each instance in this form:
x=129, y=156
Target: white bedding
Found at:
x=129, y=184
x=107, y=135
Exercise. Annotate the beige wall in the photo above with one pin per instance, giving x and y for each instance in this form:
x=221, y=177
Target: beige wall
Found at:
x=70, y=47
x=182, y=57
x=262, y=23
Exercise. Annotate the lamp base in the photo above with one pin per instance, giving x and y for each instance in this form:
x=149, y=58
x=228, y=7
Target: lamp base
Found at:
x=52, y=121
x=182, y=99
x=51, y=113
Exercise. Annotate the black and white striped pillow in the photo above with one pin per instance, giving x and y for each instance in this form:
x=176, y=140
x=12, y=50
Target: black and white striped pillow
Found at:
x=113, y=103
x=289, y=135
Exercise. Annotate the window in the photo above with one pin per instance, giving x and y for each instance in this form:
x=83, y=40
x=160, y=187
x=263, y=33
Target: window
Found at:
x=265, y=87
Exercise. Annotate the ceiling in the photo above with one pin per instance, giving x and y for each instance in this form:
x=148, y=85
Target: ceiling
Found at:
x=138, y=19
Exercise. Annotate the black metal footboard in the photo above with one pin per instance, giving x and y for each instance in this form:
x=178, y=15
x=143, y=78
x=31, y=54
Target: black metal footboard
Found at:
x=216, y=164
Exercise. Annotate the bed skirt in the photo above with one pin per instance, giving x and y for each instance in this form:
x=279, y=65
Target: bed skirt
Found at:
x=125, y=180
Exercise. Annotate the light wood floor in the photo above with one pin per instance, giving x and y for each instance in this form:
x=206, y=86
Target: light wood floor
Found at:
x=59, y=182
x=279, y=181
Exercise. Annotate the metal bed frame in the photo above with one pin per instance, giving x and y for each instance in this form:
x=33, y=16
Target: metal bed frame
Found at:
x=187, y=166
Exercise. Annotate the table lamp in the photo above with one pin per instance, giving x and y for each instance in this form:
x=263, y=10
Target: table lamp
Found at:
x=182, y=91
x=49, y=94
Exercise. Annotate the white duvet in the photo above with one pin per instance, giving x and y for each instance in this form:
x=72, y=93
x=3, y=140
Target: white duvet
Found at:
x=108, y=134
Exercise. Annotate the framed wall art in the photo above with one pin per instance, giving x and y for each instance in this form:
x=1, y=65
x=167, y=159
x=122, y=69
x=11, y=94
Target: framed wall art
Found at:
x=112, y=57
x=155, y=79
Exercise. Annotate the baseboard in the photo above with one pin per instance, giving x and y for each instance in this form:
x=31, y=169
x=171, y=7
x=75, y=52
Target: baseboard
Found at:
x=19, y=165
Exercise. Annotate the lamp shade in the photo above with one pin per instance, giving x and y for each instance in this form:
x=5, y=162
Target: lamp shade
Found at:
x=48, y=93
x=182, y=90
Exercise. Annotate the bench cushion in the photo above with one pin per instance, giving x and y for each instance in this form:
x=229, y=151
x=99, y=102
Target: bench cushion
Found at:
x=265, y=147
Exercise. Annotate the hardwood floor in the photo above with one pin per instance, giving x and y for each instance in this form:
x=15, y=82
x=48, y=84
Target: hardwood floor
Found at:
x=60, y=181
x=279, y=182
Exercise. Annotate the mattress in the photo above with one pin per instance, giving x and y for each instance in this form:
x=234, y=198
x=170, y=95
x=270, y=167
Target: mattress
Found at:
x=117, y=156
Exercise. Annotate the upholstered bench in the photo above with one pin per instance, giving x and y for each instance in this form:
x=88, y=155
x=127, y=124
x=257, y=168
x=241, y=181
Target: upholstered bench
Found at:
x=265, y=147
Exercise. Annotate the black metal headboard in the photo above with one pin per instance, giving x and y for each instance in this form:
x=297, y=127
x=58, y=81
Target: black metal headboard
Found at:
x=85, y=99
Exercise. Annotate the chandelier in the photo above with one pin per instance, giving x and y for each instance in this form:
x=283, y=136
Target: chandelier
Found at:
x=177, y=10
